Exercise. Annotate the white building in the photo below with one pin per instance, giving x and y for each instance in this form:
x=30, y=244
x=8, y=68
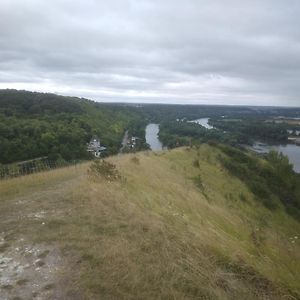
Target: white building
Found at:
x=94, y=147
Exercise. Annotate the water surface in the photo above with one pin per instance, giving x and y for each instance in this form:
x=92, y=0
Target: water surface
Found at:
x=152, y=131
x=290, y=150
x=203, y=122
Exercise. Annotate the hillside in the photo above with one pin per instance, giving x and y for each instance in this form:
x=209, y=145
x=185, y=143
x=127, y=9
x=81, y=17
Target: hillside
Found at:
x=35, y=125
x=164, y=227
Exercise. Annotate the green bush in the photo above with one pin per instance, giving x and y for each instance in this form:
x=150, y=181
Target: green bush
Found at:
x=135, y=160
x=103, y=169
x=196, y=163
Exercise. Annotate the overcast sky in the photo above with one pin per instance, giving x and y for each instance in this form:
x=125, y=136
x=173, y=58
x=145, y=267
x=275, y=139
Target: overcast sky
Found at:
x=169, y=51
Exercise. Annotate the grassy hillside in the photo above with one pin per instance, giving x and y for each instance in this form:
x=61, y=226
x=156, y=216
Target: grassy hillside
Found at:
x=164, y=228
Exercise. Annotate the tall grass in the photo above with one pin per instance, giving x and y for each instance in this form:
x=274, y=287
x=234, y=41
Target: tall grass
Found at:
x=155, y=235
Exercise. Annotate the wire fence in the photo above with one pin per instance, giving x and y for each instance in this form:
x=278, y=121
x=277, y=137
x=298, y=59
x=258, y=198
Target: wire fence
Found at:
x=32, y=166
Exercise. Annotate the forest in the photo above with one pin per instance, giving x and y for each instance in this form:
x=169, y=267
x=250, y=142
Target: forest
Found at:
x=235, y=132
x=34, y=125
x=233, y=125
x=38, y=125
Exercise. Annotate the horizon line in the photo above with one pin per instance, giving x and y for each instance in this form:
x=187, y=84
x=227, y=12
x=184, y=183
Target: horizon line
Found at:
x=151, y=103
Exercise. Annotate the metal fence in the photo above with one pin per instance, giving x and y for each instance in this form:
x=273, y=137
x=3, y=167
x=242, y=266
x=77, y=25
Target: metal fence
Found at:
x=32, y=166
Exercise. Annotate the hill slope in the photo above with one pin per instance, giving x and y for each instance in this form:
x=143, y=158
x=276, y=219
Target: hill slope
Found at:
x=166, y=229
x=39, y=124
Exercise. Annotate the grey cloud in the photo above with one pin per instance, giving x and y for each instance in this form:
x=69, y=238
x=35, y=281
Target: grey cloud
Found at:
x=194, y=51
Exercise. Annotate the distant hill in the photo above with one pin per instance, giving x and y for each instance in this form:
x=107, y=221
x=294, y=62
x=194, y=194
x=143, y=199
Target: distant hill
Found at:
x=40, y=124
x=24, y=103
x=180, y=224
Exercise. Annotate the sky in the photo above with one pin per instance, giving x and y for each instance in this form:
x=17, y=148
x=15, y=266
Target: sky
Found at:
x=167, y=51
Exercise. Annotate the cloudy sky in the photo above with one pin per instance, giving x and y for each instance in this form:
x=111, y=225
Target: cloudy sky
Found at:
x=169, y=51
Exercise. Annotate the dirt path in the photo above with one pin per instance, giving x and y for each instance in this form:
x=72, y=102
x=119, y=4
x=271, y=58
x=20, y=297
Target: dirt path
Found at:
x=30, y=270
x=124, y=141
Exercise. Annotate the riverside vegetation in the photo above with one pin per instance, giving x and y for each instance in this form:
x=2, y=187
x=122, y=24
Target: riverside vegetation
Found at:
x=178, y=224
x=38, y=125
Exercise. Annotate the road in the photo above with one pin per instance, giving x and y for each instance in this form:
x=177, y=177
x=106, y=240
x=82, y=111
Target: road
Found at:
x=124, y=141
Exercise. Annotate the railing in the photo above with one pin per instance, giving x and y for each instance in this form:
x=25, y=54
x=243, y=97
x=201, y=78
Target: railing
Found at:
x=32, y=166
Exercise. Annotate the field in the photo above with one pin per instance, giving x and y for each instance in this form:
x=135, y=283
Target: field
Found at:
x=172, y=225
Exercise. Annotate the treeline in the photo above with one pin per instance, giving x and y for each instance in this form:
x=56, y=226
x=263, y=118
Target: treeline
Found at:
x=158, y=113
x=35, y=125
x=181, y=133
x=232, y=132
x=273, y=182
x=249, y=129
x=234, y=125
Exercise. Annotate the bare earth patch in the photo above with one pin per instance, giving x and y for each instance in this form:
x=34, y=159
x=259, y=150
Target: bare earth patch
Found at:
x=30, y=271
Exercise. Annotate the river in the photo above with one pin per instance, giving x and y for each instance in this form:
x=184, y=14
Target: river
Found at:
x=290, y=150
x=203, y=122
x=152, y=139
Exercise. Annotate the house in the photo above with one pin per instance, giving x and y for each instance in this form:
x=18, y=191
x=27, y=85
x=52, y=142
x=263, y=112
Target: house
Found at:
x=133, y=141
x=94, y=146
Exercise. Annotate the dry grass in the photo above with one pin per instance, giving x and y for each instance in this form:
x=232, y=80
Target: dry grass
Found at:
x=154, y=234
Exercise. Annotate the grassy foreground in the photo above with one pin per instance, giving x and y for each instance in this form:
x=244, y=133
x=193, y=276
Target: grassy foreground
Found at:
x=167, y=229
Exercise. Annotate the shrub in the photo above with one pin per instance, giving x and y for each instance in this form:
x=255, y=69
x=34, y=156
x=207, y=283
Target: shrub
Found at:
x=196, y=163
x=198, y=182
x=104, y=169
x=135, y=160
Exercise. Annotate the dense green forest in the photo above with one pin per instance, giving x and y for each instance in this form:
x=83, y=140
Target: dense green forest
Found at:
x=170, y=112
x=233, y=125
x=35, y=125
x=181, y=133
x=234, y=132
x=250, y=128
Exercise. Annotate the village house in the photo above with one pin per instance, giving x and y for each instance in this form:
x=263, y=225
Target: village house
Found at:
x=94, y=146
x=132, y=142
